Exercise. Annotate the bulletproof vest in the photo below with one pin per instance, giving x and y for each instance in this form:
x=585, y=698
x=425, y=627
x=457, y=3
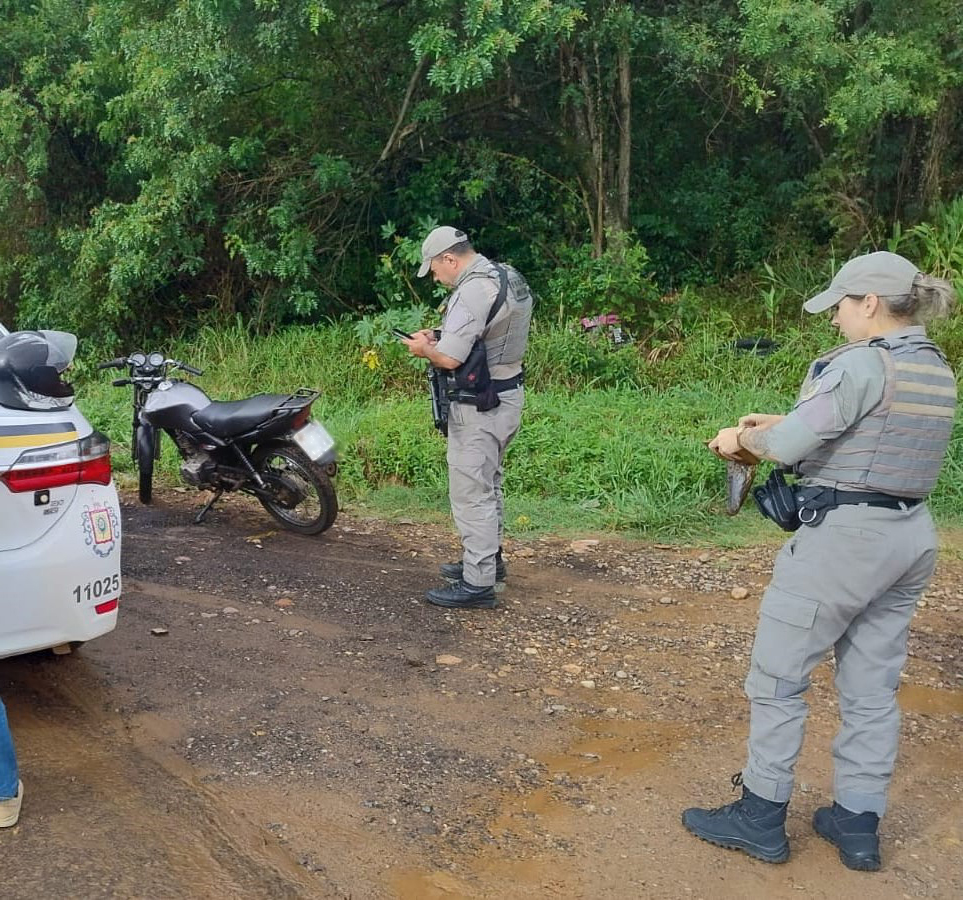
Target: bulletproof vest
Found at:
x=899, y=446
x=506, y=338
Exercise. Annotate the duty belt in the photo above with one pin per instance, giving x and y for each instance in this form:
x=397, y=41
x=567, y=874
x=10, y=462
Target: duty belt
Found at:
x=813, y=501
x=790, y=506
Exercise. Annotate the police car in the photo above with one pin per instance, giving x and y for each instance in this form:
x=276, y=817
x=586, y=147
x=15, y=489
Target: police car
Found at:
x=60, y=524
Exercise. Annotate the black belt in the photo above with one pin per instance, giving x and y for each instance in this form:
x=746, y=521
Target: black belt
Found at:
x=886, y=501
x=501, y=385
x=815, y=497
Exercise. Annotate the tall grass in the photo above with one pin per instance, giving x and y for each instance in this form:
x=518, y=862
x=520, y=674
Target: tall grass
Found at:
x=611, y=438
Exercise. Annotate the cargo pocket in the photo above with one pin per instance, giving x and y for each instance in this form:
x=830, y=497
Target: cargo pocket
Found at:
x=456, y=413
x=785, y=639
x=468, y=480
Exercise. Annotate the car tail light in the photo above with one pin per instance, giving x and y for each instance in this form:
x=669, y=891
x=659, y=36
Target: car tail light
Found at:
x=86, y=461
x=107, y=606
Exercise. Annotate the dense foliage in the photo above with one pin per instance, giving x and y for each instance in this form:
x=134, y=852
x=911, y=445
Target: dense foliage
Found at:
x=170, y=163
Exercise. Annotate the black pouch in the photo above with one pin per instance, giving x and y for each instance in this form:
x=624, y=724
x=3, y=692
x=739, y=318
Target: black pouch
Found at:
x=777, y=501
x=472, y=375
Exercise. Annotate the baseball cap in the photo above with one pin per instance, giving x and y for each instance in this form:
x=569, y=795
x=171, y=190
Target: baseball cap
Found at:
x=881, y=273
x=438, y=241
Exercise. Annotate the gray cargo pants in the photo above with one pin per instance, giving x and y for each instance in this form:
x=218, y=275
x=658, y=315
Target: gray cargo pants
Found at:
x=476, y=448
x=850, y=584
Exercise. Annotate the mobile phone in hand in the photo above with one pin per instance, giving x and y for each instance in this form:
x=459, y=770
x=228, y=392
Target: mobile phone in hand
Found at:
x=401, y=335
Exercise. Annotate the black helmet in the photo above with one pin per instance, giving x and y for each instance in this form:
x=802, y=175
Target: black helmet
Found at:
x=31, y=363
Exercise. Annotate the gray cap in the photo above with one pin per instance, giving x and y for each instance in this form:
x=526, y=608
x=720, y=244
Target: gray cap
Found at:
x=884, y=274
x=439, y=241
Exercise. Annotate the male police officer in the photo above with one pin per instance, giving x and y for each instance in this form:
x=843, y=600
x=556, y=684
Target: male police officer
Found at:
x=478, y=432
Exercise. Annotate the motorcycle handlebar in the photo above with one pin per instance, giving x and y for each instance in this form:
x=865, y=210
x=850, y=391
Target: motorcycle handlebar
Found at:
x=120, y=382
x=188, y=368
x=118, y=363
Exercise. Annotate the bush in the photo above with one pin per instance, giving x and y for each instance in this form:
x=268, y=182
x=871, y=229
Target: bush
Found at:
x=618, y=282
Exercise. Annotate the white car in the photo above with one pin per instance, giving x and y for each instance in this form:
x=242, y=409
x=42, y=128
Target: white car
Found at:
x=60, y=522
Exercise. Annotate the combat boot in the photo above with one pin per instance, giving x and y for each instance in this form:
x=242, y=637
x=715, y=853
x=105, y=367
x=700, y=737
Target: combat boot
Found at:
x=455, y=571
x=10, y=809
x=751, y=824
x=463, y=595
x=854, y=834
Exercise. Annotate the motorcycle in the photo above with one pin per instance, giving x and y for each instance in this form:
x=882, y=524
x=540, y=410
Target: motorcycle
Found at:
x=265, y=445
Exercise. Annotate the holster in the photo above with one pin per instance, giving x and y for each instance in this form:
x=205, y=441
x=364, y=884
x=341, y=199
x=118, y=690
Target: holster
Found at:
x=439, y=382
x=777, y=501
x=790, y=506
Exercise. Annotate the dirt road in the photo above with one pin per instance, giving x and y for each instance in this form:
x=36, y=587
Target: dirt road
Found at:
x=308, y=727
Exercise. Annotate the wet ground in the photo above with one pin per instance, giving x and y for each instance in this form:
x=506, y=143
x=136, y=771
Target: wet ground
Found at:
x=303, y=725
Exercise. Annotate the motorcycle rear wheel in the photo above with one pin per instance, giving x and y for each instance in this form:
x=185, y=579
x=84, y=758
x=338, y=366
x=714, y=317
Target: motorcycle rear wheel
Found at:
x=303, y=498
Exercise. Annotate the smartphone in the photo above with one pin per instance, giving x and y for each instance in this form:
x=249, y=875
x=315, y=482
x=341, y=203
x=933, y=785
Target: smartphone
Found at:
x=398, y=333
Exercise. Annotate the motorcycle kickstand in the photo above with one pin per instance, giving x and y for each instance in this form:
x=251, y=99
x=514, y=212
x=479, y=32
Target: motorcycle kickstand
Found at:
x=200, y=516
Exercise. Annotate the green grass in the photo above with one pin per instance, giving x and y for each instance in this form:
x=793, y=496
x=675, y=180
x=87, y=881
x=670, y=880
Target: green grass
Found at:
x=611, y=440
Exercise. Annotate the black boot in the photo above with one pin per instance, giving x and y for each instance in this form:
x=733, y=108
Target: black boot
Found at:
x=463, y=595
x=455, y=571
x=752, y=824
x=853, y=833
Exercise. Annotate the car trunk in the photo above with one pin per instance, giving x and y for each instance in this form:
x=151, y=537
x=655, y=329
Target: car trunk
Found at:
x=29, y=513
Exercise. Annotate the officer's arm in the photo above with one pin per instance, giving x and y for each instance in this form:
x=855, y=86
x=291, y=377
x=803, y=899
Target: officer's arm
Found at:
x=847, y=390
x=464, y=321
x=440, y=360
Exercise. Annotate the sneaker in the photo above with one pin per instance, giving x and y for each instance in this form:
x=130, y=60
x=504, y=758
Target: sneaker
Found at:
x=454, y=571
x=751, y=824
x=10, y=809
x=463, y=596
x=854, y=834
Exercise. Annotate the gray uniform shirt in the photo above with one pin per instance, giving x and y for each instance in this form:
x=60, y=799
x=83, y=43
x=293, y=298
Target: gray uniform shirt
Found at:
x=848, y=388
x=467, y=307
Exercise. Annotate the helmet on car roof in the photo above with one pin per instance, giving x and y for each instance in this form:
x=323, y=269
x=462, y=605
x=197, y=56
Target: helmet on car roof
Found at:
x=31, y=365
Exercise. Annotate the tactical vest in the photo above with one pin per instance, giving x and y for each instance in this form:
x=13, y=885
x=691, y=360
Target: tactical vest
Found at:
x=506, y=338
x=898, y=448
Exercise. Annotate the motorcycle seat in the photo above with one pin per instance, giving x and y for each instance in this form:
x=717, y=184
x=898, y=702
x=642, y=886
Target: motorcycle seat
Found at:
x=227, y=418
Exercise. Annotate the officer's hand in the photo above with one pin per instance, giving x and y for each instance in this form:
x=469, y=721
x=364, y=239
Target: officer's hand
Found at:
x=726, y=444
x=418, y=344
x=760, y=420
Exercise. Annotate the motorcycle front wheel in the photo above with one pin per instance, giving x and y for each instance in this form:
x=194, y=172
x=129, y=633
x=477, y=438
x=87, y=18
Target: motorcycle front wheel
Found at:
x=300, y=493
x=144, y=450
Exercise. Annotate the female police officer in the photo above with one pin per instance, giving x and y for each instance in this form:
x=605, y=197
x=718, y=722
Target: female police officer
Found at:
x=867, y=437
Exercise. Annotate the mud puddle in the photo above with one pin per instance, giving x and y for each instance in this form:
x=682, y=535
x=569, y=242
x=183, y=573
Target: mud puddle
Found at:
x=606, y=750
